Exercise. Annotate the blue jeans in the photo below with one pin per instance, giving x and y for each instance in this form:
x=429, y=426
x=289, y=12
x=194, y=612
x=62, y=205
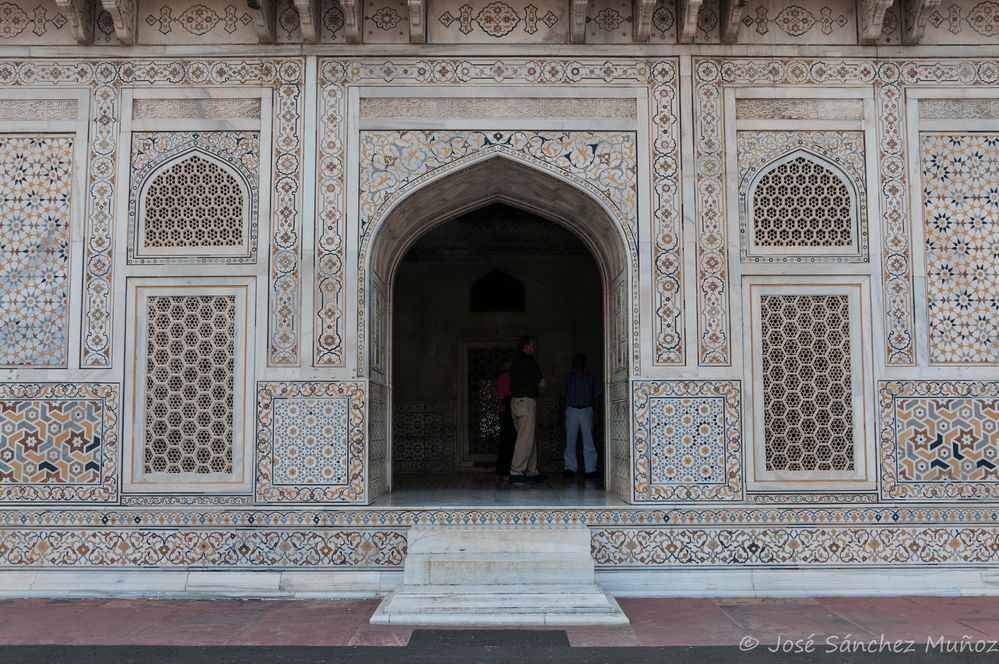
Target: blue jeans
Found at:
x=577, y=419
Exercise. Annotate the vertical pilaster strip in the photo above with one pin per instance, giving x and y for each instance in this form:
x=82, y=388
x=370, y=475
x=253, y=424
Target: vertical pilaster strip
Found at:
x=330, y=258
x=896, y=252
x=286, y=273
x=98, y=260
x=713, y=313
x=667, y=256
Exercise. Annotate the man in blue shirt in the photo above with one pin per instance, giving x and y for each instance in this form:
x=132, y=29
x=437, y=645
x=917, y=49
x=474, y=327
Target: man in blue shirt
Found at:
x=580, y=392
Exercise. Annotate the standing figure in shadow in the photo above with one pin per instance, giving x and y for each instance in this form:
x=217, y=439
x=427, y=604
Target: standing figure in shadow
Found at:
x=526, y=382
x=507, y=433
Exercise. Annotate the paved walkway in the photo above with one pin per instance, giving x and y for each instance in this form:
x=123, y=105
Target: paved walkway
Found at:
x=654, y=622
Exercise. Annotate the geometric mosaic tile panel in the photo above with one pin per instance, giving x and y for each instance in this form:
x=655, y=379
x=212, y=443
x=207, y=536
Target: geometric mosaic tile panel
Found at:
x=36, y=183
x=58, y=442
x=688, y=440
x=813, y=545
x=960, y=178
x=204, y=548
x=310, y=442
x=940, y=439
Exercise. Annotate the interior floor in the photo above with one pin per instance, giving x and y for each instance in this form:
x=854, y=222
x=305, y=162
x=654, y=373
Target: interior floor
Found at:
x=481, y=489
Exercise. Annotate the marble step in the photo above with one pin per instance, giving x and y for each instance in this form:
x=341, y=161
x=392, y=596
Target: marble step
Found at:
x=502, y=556
x=513, y=605
x=499, y=569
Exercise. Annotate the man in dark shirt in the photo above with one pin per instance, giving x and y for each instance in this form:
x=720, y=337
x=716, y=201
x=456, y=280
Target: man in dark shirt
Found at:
x=580, y=392
x=526, y=381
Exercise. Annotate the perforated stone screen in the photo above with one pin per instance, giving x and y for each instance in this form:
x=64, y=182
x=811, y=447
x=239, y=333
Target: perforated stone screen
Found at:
x=190, y=374
x=194, y=204
x=801, y=203
x=807, y=394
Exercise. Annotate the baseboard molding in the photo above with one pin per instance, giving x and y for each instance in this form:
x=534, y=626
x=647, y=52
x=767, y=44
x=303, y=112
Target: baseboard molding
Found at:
x=203, y=584
x=198, y=584
x=800, y=582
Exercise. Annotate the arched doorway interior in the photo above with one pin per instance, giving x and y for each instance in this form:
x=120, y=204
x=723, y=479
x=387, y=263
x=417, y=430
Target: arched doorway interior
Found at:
x=463, y=294
x=497, y=180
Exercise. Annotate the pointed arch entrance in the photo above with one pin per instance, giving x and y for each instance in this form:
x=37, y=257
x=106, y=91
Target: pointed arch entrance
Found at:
x=496, y=178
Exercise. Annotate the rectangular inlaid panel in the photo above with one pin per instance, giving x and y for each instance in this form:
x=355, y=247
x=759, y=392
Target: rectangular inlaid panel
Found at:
x=688, y=440
x=58, y=441
x=961, y=220
x=310, y=442
x=940, y=439
x=36, y=184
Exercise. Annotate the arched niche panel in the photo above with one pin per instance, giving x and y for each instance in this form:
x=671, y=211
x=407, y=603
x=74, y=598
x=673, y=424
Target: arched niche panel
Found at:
x=802, y=204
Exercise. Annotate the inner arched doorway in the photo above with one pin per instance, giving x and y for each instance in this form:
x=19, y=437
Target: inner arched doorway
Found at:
x=573, y=215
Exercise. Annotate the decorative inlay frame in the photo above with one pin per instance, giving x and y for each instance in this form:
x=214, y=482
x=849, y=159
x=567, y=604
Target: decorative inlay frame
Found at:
x=108, y=397
x=890, y=78
x=106, y=78
x=728, y=393
x=336, y=76
x=893, y=487
x=136, y=478
x=353, y=490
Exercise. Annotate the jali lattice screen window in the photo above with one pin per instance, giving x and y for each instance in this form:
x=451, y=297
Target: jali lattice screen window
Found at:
x=807, y=400
x=801, y=205
x=192, y=371
x=195, y=205
x=810, y=387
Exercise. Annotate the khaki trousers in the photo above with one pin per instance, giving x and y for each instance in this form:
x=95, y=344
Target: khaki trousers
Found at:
x=525, y=451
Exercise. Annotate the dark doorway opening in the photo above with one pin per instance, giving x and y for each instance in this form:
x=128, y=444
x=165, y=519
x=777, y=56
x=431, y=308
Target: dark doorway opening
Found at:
x=463, y=294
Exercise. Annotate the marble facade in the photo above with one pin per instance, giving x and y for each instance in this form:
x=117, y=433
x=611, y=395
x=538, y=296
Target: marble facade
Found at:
x=336, y=132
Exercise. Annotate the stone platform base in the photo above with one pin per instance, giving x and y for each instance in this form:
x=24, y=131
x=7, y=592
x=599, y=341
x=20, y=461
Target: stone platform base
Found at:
x=499, y=576
x=499, y=605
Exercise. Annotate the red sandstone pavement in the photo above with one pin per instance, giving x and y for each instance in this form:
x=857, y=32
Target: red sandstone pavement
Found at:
x=654, y=622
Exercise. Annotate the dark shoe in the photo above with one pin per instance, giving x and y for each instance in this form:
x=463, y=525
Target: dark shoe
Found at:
x=568, y=474
x=520, y=479
x=537, y=479
x=595, y=475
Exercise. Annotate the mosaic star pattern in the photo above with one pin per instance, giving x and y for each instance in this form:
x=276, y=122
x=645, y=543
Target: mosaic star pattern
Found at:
x=36, y=183
x=58, y=442
x=940, y=439
x=688, y=445
x=310, y=441
x=961, y=216
x=688, y=440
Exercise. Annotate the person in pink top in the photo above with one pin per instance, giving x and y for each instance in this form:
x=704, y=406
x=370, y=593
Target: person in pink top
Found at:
x=508, y=435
